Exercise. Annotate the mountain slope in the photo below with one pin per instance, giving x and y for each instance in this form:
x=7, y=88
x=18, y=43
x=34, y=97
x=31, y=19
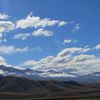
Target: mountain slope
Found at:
x=18, y=84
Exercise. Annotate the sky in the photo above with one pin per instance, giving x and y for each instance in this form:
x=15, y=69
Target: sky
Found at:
x=51, y=34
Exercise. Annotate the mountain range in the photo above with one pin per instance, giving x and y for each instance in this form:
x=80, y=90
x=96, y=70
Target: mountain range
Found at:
x=37, y=75
x=18, y=84
x=18, y=88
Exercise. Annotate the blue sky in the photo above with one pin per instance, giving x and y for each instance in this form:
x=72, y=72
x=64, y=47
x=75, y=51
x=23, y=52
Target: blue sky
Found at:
x=60, y=24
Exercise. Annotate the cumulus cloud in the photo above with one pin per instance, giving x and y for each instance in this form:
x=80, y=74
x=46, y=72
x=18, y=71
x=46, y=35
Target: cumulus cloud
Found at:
x=82, y=64
x=69, y=60
x=12, y=49
x=3, y=16
x=29, y=63
x=97, y=47
x=2, y=60
x=36, y=33
x=6, y=26
x=73, y=50
x=83, y=57
x=30, y=21
x=37, y=22
x=21, y=36
x=42, y=32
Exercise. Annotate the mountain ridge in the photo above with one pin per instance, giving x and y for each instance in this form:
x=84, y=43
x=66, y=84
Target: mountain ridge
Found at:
x=37, y=75
x=19, y=84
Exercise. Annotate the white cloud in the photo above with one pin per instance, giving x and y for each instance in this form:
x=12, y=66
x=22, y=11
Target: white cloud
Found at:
x=3, y=16
x=61, y=43
x=97, y=47
x=2, y=39
x=57, y=75
x=6, y=26
x=36, y=33
x=66, y=41
x=73, y=50
x=79, y=64
x=62, y=23
x=29, y=63
x=42, y=32
x=2, y=60
x=30, y=21
x=69, y=60
x=12, y=49
x=83, y=57
x=76, y=28
x=37, y=22
x=21, y=36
